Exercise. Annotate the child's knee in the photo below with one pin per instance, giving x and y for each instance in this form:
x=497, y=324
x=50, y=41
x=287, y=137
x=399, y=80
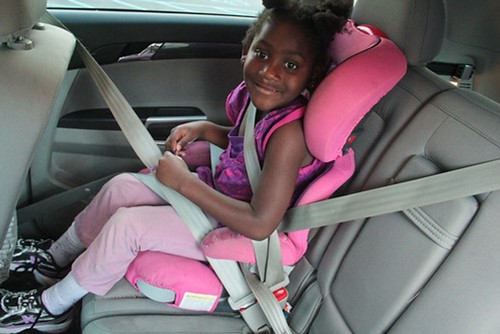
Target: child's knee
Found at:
x=125, y=223
x=120, y=182
x=123, y=189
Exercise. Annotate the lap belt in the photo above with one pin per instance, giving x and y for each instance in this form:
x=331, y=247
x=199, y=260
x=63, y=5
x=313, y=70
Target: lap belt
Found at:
x=446, y=186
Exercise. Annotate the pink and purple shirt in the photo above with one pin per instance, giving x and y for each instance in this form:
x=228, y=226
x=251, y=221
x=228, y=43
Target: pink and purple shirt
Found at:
x=230, y=174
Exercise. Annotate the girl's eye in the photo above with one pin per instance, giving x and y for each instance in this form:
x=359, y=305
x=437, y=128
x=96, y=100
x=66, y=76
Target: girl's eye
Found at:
x=260, y=54
x=290, y=66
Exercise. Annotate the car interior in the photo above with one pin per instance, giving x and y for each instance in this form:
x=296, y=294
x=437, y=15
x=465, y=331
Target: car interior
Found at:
x=428, y=269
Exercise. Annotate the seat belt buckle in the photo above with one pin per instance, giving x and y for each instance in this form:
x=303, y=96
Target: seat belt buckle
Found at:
x=281, y=296
x=255, y=317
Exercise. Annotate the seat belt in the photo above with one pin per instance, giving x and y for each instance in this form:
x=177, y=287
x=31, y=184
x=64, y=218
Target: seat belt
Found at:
x=268, y=258
x=267, y=251
x=442, y=187
x=139, y=138
x=459, y=183
x=149, y=153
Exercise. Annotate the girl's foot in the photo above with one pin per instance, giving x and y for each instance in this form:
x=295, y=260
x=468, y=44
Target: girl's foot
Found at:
x=20, y=311
x=33, y=256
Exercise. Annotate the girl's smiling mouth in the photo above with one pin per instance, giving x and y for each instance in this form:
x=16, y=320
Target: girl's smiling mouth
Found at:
x=266, y=89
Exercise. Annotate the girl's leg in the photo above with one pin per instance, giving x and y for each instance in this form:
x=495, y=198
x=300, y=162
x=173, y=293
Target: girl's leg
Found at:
x=130, y=230
x=65, y=249
x=123, y=190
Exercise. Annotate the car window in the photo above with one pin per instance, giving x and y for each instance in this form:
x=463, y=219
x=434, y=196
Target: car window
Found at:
x=219, y=7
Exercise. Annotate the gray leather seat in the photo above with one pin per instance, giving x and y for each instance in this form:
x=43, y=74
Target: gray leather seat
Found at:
x=381, y=274
x=424, y=270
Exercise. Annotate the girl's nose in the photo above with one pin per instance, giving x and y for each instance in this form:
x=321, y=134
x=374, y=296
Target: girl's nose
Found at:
x=271, y=71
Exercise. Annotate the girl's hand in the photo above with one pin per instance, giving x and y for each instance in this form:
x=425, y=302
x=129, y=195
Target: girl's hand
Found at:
x=172, y=171
x=182, y=135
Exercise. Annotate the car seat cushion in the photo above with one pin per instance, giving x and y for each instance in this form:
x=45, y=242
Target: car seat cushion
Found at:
x=196, y=286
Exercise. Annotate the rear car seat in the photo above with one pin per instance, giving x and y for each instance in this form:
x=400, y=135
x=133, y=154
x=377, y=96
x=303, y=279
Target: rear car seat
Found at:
x=386, y=274
x=430, y=269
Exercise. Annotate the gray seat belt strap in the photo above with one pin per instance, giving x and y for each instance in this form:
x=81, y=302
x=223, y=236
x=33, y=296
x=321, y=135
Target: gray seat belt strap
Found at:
x=267, y=252
x=268, y=256
x=268, y=303
x=250, y=152
x=459, y=183
x=139, y=138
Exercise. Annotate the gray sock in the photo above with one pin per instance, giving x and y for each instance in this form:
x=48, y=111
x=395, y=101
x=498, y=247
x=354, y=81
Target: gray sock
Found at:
x=65, y=249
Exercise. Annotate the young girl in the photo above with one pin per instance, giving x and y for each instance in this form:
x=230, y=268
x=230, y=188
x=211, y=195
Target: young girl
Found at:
x=284, y=54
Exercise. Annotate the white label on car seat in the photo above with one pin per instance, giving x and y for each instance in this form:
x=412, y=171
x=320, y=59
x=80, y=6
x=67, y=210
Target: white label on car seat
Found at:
x=197, y=301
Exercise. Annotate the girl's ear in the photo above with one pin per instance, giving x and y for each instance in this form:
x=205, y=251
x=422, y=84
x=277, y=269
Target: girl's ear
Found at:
x=244, y=52
x=317, y=75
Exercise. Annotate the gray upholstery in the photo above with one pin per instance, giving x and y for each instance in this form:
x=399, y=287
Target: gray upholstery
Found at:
x=386, y=274
x=29, y=82
x=17, y=17
x=417, y=26
x=372, y=271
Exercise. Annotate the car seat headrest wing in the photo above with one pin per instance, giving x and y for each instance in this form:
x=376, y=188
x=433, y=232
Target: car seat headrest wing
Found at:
x=348, y=92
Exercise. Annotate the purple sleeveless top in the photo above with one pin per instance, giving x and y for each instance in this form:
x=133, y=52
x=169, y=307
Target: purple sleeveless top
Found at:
x=230, y=175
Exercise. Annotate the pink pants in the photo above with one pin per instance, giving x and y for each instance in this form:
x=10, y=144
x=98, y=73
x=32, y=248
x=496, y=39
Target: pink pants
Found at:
x=124, y=218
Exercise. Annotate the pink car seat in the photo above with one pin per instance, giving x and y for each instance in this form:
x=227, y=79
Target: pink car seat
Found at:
x=365, y=67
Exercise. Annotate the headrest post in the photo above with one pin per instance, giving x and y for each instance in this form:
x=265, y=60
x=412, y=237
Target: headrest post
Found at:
x=21, y=43
x=17, y=18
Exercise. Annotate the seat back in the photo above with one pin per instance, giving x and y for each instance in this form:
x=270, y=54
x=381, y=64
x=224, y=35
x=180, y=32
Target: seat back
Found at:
x=412, y=271
x=33, y=63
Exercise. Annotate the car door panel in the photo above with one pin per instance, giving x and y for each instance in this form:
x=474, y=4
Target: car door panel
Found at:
x=184, y=88
x=187, y=78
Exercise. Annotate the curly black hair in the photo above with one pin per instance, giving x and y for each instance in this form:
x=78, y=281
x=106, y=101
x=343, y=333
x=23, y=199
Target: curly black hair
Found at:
x=320, y=19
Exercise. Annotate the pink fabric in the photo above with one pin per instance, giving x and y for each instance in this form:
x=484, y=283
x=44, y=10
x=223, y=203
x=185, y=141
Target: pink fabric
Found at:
x=231, y=176
x=196, y=286
x=126, y=218
x=350, y=91
x=197, y=154
x=350, y=42
x=331, y=180
x=225, y=244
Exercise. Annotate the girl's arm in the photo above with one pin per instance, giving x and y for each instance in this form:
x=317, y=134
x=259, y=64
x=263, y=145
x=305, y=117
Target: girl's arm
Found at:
x=285, y=153
x=183, y=134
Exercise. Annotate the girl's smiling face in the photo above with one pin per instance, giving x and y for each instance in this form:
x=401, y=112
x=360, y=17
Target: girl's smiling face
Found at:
x=278, y=66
